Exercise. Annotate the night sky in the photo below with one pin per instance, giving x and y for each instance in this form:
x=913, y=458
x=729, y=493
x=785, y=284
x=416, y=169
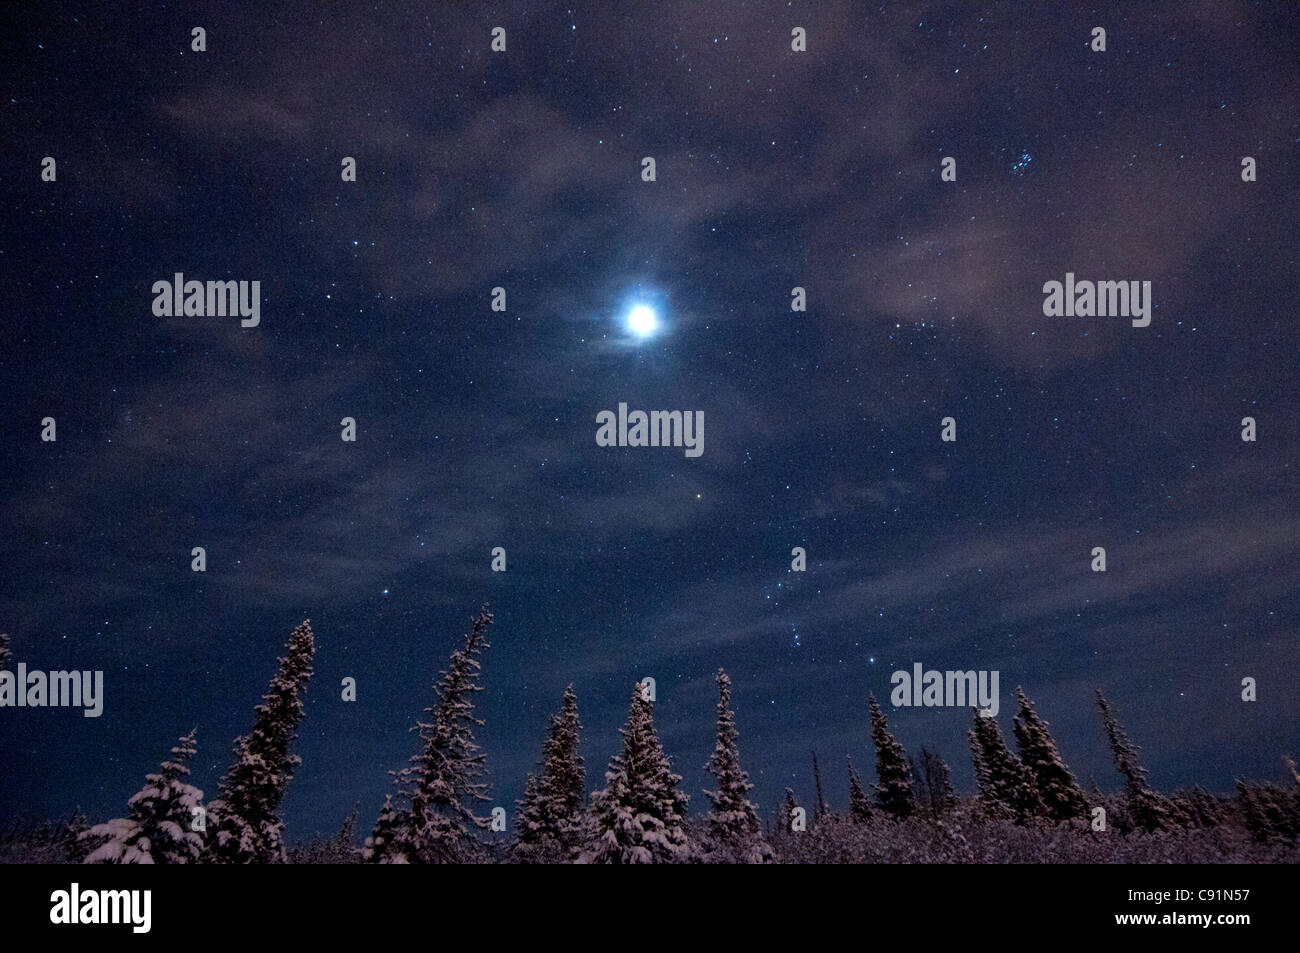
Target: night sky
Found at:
x=476, y=428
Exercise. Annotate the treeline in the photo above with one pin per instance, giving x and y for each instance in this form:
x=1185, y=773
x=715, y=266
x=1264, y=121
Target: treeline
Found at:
x=1029, y=807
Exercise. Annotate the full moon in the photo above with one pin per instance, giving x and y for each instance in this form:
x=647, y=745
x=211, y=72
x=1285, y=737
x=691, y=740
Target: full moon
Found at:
x=642, y=321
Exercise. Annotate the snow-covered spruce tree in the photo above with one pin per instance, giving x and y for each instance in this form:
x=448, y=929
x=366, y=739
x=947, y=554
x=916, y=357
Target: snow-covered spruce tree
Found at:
x=69, y=836
x=244, y=826
x=347, y=830
x=1196, y=808
x=791, y=805
x=435, y=822
x=894, y=793
x=731, y=830
x=382, y=846
x=1270, y=811
x=820, y=808
x=157, y=828
x=531, y=843
x=1204, y=808
x=548, y=826
x=1149, y=810
x=859, y=803
x=1006, y=785
x=933, y=783
x=1057, y=788
x=1258, y=811
x=639, y=817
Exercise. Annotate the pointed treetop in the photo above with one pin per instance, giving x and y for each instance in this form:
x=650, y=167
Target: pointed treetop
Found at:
x=639, y=816
x=434, y=819
x=894, y=793
x=158, y=828
x=1057, y=787
x=732, y=831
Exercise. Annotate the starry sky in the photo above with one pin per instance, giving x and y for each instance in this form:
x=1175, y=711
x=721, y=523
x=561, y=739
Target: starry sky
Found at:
x=476, y=428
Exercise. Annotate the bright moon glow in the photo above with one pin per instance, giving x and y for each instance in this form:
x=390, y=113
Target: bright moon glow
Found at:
x=642, y=321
